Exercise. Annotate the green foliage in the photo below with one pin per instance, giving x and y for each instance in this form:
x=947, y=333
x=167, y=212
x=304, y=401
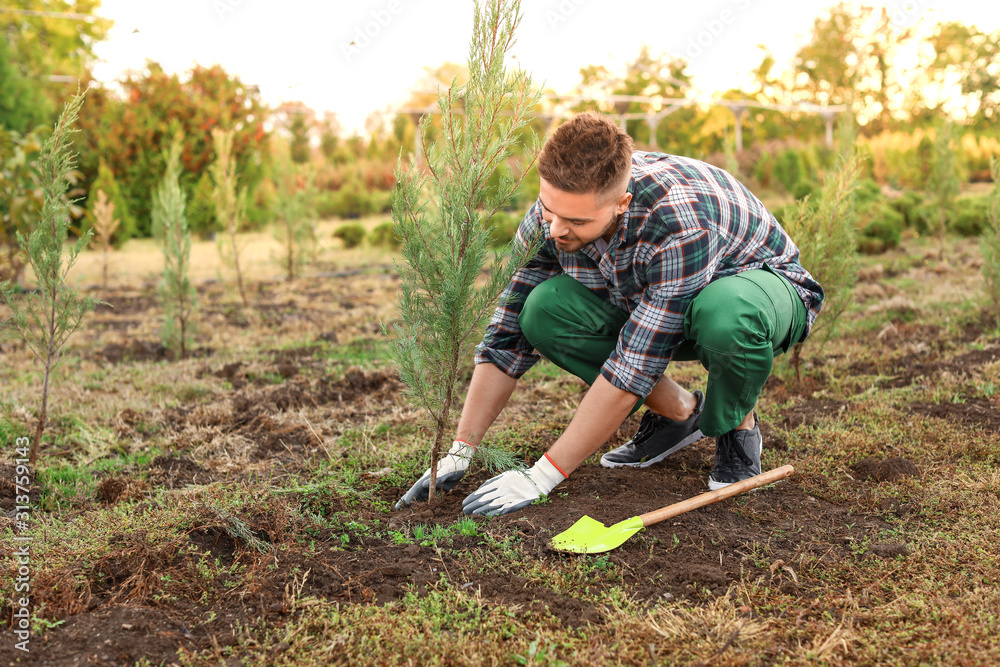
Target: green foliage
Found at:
x=354, y=200
x=44, y=319
x=446, y=240
x=131, y=126
x=384, y=236
x=352, y=234
x=970, y=216
x=23, y=106
x=990, y=241
x=881, y=230
x=908, y=205
x=503, y=226
x=170, y=227
x=201, y=208
x=20, y=197
x=943, y=184
x=825, y=233
x=295, y=213
x=230, y=204
x=106, y=181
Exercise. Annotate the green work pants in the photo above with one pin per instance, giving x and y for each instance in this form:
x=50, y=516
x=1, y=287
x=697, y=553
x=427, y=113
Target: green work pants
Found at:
x=734, y=327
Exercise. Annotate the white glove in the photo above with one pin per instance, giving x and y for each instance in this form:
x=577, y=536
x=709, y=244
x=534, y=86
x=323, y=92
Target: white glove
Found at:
x=514, y=489
x=450, y=470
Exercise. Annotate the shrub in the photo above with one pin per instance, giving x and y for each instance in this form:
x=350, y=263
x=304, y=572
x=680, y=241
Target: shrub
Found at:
x=882, y=231
x=908, y=205
x=351, y=234
x=803, y=189
x=106, y=183
x=969, y=216
x=384, y=236
x=503, y=226
x=201, y=208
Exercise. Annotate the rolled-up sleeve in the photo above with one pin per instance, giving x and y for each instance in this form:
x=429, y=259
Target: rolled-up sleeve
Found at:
x=676, y=272
x=503, y=344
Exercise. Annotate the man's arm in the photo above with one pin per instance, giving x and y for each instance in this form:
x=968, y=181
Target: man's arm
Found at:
x=601, y=412
x=489, y=392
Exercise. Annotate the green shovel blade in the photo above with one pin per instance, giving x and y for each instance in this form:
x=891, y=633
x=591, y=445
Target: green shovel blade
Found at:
x=588, y=536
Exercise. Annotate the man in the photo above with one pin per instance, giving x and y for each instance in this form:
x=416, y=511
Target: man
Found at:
x=646, y=258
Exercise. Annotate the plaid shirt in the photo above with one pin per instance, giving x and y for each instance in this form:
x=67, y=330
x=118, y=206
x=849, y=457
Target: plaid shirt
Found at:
x=688, y=223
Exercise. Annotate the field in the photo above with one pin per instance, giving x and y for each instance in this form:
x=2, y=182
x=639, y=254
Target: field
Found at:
x=236, y=507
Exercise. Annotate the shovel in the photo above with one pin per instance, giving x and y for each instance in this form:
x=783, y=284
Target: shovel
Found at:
x=588, y=536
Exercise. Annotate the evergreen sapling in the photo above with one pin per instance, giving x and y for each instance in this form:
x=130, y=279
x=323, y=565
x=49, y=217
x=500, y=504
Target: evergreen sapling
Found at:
x=230, y=204
x=45, y=318
x=170, y=227
x=105, y=224
x=990, y=241
x=441, y=218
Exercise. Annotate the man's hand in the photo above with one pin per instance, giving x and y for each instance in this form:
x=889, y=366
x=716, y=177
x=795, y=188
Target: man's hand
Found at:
x=450, y=470
x=514, y=489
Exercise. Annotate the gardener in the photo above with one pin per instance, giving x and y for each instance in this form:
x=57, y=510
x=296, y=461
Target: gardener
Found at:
x=646, y=258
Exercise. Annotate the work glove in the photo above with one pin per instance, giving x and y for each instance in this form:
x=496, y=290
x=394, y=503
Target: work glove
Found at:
x=451, y=469
x=514, y=489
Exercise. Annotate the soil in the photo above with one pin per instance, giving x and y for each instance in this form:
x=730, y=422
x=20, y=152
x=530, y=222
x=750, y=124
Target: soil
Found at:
x=120, y=613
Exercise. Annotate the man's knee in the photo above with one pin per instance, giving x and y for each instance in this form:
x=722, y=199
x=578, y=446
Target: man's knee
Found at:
x=727, y=325
x=540, y=312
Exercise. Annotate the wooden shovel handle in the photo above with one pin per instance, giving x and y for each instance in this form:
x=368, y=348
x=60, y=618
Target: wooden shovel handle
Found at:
x=670, y=511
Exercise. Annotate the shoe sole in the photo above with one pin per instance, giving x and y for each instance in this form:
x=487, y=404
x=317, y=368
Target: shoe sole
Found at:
x=694, y=437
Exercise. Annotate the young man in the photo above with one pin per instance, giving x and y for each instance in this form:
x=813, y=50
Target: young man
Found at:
x=646, y=258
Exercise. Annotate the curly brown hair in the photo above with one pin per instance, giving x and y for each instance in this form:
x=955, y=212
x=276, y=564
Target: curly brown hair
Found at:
x=589, y=153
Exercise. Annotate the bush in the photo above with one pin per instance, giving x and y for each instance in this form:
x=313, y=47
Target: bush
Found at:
x=803, y=189
x=384, y=236
x=503, y=226
x=908, y=205
x=351, y=234
x=126, y=222
x=969, y=216
x=788, y=169
x=882, y=231
x=868, y=194
x=201, y=208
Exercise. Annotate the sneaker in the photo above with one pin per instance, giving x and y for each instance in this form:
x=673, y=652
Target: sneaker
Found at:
x=656, y=439
x=737, y=456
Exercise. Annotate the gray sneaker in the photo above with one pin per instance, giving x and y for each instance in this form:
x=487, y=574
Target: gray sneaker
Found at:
x=656, y=439
x=737, y=456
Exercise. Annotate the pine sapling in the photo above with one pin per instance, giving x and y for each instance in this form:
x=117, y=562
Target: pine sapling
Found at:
x=295, y=227
x=45, y=318
x=170, y=226
x=105, y=224
x=824, y=231
x=990, y=241
x=441, y=218
x=943, y=183
x=230, y=203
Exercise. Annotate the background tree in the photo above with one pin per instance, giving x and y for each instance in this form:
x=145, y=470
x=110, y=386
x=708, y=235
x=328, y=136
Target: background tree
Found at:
x=131, y=129
x=105, y=224
x=170, y=227
x=47, y=317
x=20, y=197
x=445, y=239
x=971, y=56
x=990, y=241
x=824, y=231
x=295, y=217
x=230, y=203
x=107, y=184
x=943, y=184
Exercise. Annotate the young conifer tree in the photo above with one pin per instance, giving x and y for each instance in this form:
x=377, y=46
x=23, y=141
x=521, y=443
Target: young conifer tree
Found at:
x=105, y=224
x=824, y=230
x=990, y=241
x=230, y=203
x=47, y=317
x=441, y=218
x=170, y=227
x=295, y=226
x=944, y=183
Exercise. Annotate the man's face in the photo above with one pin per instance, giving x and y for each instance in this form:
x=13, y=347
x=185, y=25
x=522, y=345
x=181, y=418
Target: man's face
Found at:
x=578, y=219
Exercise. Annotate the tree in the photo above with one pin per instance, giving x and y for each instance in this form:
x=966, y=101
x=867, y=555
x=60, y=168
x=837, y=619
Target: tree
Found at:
x=107, y=184
x=105, y=224
x=295, y=217
x=446, y=239
x=20, y=197
x=47, y=317
x=943, y=183
x=171, y=229
x=971, y=56
x=824, y=230
x=131, y=130
x=40, y=39
x=990, y=241
x=230, y=203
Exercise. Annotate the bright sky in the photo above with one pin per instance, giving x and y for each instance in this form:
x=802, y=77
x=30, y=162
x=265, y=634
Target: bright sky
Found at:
x=302, y=50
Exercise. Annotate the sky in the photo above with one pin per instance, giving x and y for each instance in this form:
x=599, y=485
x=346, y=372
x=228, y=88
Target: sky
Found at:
x=356, y=57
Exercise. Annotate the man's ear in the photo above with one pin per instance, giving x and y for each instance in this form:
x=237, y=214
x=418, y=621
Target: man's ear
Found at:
x=623, y=203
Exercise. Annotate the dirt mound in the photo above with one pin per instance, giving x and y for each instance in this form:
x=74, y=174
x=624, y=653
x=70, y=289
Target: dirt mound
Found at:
x=887, y=470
